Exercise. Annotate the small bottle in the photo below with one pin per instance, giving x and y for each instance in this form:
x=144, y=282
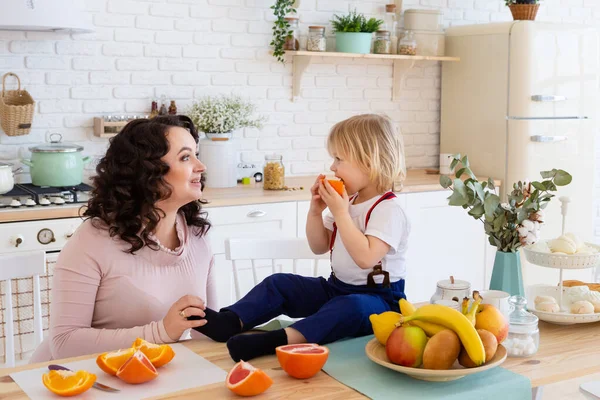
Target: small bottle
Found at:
x=154, y=111
x=408, y=45
x=292, y=41
x=316, y=39
x=163, y=106
x=273, y=172
x=391, y=25
x=383, y=44
x=173, y=108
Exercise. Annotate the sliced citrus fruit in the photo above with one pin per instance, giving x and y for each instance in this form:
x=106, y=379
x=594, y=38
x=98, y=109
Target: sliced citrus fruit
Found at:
x=111, y=362
x=138, y=369
x=245, y=380
x=158, y=355
x=302, y=360
x=338, y=186
x=68, y=383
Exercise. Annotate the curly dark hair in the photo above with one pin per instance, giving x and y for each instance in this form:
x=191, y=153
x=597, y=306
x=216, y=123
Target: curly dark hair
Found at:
x=129, y=181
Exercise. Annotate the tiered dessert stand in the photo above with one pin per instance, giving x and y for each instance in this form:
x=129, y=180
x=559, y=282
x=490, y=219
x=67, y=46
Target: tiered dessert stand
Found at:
x=561, y=262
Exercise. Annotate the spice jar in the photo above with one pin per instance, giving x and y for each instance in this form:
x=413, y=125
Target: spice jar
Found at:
x=316, y=39
x=383, y=43
x=274, y=172
x=292, y=41
x=408, y=45
x=523, y=338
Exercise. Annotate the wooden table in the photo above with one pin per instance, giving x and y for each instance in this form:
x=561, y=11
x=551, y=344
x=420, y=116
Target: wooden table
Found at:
x=568, y=355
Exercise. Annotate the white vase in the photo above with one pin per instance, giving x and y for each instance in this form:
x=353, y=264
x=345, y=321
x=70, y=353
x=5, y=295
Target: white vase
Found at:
x=221, y=159
x=219, y=136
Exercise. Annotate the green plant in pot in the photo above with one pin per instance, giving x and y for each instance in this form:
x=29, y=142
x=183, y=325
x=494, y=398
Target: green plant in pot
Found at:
x=523, y=9
x=353, y=32
x=281, y=27
x=509, y=225
x=219, y=116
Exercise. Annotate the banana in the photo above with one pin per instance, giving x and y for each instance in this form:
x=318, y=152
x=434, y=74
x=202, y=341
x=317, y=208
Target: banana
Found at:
x=406, y=308
x=452, y=319
x=465, y=306
x=471, y=315
x=429, y=327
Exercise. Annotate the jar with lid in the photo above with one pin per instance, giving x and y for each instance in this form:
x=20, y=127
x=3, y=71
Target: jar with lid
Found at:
x=273, y=172
x=292, y=41
x=451, y=289
x=391, y=24
x=408, y=44
x=316, y=39
x=383, y=43
x=523, y=338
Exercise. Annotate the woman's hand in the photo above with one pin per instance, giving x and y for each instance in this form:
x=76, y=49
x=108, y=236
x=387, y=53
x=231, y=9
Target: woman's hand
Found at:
x=337, y=204
x=176, y=321
x=317, y=205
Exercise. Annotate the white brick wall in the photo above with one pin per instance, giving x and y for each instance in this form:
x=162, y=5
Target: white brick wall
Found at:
x=187, y=48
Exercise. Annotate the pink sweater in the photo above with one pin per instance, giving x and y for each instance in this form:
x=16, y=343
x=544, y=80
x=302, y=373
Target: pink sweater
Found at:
x=103, y=298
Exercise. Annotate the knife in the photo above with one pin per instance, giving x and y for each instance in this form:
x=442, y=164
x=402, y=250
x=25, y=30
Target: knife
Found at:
x=97, y=385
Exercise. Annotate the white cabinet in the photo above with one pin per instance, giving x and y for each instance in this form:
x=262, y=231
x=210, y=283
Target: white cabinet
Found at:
x=444, y=241
x=303, y=207
x=258, y=220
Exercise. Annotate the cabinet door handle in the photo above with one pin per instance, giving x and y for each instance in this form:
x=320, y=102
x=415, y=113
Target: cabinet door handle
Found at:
x=256, y=214
x=547, y=98
x=548, y=139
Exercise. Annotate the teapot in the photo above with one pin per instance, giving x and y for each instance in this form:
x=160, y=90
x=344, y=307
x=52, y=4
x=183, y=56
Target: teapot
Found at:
x=451, y=289
x=7, y=180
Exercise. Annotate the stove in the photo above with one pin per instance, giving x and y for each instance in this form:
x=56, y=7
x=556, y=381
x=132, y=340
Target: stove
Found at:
x=26, y=195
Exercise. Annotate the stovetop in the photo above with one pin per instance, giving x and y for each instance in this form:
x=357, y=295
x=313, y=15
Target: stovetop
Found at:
x=26, y=195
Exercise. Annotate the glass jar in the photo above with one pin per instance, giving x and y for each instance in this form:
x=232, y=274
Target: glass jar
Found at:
x=316, y=39
x=523, y=338
x=292, y=41
x=408, y=45
x=274, y=172
x=383, y=43
x=391, y=24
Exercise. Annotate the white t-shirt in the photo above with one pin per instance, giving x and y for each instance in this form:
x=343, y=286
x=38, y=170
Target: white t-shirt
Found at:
x=389, y=223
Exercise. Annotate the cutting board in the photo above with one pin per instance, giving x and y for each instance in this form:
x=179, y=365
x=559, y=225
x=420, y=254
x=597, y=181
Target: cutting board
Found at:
x=187, y=370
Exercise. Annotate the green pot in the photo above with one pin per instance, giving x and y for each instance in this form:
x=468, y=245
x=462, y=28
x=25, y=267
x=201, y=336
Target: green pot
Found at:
x=353, y=42
x=56, y=164
x=506, y=275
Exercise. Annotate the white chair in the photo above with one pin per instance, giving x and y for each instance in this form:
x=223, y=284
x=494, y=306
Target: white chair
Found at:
x=19, y=266
x=295, y=249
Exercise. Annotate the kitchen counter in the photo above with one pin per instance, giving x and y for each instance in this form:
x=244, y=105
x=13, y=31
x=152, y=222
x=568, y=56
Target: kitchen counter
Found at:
x=417, y=180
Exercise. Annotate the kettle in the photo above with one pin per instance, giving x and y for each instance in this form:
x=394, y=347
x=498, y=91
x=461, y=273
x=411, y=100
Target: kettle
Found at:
x=7, y=180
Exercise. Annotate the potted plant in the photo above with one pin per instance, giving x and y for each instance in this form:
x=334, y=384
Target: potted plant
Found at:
x=281, y=27
x=508, y=225
x=353, y=32
x=523, y=9
x=219, y=116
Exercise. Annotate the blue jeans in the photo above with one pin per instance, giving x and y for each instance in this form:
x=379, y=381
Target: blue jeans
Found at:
x=331, y=309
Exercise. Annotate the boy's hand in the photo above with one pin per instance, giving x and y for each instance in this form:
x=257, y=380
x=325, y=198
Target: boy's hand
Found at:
x=317, y=205
x=337, y=204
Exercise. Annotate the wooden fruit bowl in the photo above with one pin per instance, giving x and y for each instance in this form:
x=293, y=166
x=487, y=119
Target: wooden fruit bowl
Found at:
x=376, y=353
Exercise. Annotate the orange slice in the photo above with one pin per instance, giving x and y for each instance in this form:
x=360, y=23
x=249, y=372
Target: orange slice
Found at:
x=112, y=361
x=158, y=355
x=302, y=360
x=245, y=380
x=68, y=383
x=138, y=369
x=338, y=186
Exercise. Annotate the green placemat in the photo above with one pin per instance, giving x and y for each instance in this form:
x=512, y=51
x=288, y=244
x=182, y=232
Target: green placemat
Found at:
x=349, y=364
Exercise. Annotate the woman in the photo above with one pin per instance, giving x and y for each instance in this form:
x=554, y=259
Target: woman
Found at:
x=140, y=264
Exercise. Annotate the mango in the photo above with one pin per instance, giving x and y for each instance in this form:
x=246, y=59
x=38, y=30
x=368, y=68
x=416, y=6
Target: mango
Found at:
x=441, y=350
x=490, y=344
x=406, y=345
x=492, y=320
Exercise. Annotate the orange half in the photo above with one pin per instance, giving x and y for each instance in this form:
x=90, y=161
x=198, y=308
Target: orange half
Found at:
x=338, y=186
x=138, y=369
x=158, y=355
x=245, y=380
x=68, y=383
x=302, y=360
x=111, y=362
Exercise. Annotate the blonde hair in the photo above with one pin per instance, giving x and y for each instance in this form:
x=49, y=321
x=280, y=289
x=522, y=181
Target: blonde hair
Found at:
x=370, y=141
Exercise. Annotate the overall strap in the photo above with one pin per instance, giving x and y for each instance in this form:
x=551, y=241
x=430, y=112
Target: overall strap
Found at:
x=386, y=196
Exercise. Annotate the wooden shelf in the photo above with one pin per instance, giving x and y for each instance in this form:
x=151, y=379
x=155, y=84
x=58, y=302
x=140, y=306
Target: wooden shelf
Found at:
x=105, y=129
x=402, y=63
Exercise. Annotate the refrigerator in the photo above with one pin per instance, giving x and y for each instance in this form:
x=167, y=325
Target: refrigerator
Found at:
x=523, y=99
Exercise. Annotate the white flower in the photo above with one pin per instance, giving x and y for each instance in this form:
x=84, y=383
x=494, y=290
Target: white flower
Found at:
x=223, y=114
x=528, y=224
x=523, y=231
x=505, y=206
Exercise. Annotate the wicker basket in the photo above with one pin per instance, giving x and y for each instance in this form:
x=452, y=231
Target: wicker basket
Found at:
x=16, y=109
x=524, y=12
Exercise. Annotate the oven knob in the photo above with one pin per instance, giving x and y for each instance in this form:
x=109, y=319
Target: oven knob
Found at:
x=58, y=201
x=17, y=240
x=44, y=202
x=70, y=233
x=30, y=203
x=15, y=203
